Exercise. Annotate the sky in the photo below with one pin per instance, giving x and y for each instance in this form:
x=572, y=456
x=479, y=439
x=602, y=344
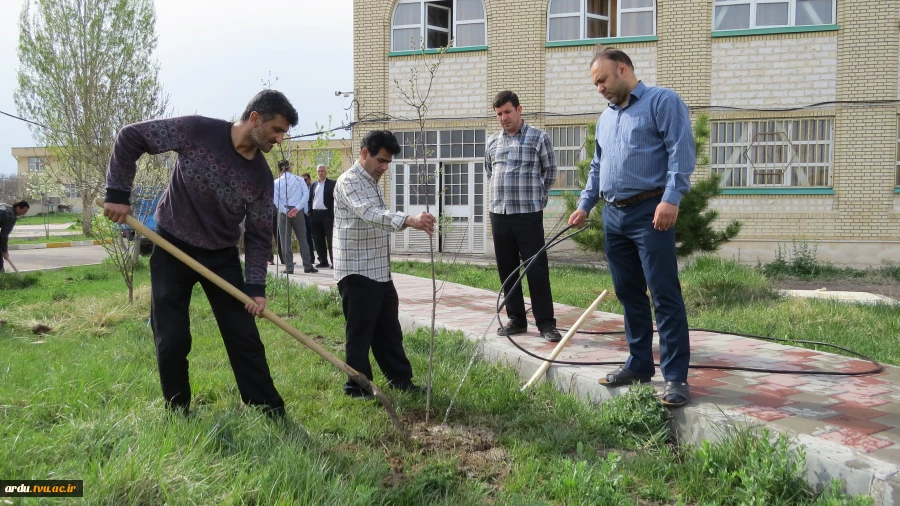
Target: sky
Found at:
x=214, y=56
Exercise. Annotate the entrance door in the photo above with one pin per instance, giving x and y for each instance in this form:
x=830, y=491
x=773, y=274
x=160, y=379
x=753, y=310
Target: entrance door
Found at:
x=413, y=187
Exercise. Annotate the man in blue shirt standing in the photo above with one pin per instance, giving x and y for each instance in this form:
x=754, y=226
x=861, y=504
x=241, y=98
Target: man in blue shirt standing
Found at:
x=642, y=164
x=291, y=196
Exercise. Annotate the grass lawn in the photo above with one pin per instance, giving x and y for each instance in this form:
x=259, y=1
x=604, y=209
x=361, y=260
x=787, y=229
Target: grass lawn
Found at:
x=40, y=219
x=53, y=238
x=719, y=294
x=83, y=402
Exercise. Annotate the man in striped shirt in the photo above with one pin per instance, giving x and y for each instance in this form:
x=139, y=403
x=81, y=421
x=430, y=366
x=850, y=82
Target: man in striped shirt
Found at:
x=642, y=164
x=362, y=265
x=521, y=168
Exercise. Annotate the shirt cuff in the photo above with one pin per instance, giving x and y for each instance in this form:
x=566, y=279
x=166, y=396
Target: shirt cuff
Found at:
x=585, y=206
x=671, y=196
x=114, y=196
x=254, y=290
x=399, y=220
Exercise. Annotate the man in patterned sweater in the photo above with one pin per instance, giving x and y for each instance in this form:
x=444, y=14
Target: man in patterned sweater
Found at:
x=220, y=178
x=8, y=216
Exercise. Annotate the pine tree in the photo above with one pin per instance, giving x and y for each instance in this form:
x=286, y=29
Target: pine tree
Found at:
x=695, y=229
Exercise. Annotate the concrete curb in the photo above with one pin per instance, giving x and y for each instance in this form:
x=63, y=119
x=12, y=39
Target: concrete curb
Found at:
x=44, y=245
x=696, y=423
x=825, y=461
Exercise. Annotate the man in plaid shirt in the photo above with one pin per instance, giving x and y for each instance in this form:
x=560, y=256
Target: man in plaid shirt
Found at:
x=362, y=265
x=521, y=168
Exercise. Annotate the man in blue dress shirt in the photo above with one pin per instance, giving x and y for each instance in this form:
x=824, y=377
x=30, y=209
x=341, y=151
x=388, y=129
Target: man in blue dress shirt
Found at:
x=642, y=164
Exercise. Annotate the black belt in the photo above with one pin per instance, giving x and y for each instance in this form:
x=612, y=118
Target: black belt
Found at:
x=321, y=210
x=640, y=197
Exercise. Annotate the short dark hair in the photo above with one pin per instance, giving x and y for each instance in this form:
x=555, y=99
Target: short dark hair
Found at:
x=283, y=165
x=375, y=140
x=271, y=103
x=506, y=97
x=20, y=204
x=306, y=174
x=612, y=54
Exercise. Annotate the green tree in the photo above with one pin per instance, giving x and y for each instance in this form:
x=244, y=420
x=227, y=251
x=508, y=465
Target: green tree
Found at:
x=590, y=239
x=695, y=230
x=86, y=69
x=320, y=151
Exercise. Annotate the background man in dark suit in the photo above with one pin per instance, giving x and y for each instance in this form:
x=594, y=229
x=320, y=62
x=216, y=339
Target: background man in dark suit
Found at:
x=321, y=206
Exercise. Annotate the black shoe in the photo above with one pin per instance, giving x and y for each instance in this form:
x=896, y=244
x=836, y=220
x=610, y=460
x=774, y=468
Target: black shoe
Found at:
x=551, y=334
x=322, y=266
x=408, y=387
x=511, y=329
x=289, y=271
x=310, y=270
x=359, y=394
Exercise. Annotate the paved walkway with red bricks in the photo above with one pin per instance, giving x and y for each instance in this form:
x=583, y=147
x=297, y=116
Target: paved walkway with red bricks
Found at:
x=845, y=423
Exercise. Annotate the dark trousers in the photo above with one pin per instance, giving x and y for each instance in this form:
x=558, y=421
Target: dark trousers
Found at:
x=309, y=239
x=172, y=282
x=372, y=312
x=516, y=238
x=1, y=263
x=639, y=255
x=322, y=230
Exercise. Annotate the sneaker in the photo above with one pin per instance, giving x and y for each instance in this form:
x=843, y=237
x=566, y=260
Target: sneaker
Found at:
x=511, y=329
x=408, y=387
x=310, y=270
x=551, y=334
x=322, y=266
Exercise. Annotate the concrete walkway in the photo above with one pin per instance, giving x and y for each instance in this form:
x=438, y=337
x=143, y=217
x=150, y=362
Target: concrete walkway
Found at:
x=849, y=426
x=55, y=258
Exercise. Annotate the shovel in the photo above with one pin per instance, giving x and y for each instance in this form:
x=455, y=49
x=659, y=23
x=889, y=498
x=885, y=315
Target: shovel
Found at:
x=269, y=315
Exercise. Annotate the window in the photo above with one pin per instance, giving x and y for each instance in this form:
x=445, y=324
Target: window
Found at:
x=324, y=157
x=568, y=143
x=422, y=185
x=788, y=152
x=36, y=164
x=436, y=23
x=479, y=193
x=743, y=14
x=462, y=143
x=595, y=19
x=444, y=144
x=71, y=192
x=456, y=184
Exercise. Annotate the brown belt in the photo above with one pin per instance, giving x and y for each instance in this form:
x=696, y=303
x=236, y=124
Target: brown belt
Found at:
x=640, y=197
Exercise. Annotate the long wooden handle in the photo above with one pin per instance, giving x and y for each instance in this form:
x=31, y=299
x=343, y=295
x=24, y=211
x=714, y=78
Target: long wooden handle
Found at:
x=12, y=264
x=267, y=314
x=562, y=343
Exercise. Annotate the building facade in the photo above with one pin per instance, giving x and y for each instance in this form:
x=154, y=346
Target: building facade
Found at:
x=32, y=164
x=803, y=98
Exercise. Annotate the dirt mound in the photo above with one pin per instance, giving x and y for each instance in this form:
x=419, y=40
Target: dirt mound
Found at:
x=477, y=450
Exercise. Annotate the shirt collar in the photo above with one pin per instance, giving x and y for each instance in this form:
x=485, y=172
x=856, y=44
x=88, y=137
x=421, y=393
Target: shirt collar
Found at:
x=358, y=167
x=522, y=130
x=636, y=94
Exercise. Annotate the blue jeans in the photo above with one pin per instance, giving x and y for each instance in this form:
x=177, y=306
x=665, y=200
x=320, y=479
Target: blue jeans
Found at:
x=639, y=255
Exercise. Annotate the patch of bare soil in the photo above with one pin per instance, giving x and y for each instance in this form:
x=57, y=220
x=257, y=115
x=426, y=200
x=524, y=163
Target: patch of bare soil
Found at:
x=889, y=288
x=480, y=457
